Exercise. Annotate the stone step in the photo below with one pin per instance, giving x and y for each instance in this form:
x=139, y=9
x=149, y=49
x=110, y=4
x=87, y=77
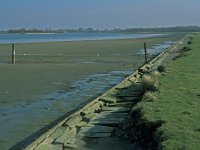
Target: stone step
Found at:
x=45, y=146
x=96, y=106
x=129, y=99
x=138, y=82
x=126, y=99
x=59, y=131
x=94, y=135
x=82, y=123
x=107, y=99
x=121, y=87
x=116, y=109
x=89, y=117
x=111, y=122
x=132, y=79
x=107, y=114
x=70, y=146
x=96, y=129
x=73, y=121
x=122, y=104
x=124, y=85
x=129, y=95
x=66, y=137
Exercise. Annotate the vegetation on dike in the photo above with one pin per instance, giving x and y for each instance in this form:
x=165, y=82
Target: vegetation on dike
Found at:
x=172, y=121
x=149, y=83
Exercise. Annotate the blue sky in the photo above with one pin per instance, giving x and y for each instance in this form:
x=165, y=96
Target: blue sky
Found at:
x=97, y=13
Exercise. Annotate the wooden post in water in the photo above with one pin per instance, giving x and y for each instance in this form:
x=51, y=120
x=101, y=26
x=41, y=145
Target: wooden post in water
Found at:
x=145, y=53
x=13, y=53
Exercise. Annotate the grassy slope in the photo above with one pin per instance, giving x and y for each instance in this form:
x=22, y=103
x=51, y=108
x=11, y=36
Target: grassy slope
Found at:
x=178, y=103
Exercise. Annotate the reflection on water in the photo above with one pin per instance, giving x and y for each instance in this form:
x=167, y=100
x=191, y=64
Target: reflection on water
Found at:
x=19, y=120
x=157, y=48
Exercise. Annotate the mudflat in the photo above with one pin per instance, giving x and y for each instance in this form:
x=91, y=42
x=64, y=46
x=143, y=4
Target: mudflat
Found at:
x=32, y=77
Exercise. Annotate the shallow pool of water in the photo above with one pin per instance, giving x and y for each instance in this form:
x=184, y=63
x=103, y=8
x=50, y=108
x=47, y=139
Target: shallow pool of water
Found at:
x=22, y=119
x=157, y=48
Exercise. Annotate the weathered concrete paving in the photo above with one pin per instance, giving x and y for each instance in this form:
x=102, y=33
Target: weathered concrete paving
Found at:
x=95, y=124
x=106, y=143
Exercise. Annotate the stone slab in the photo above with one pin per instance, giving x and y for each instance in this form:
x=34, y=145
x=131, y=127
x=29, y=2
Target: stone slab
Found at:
x=95, y=107
x=66, y=137
x=107, y=114
x=45, y=146
x=73, y=121
x=82, y=123
x=89, y=117
x=114, y=122
x=59, y=131
x=42, y=146
x=94, y=135
x=96, y=129
x=56, y=147
x=116, y=109
x=107, y=99
x=128, y=99
x=71, y=146
x=48, y=140
x=127, y=104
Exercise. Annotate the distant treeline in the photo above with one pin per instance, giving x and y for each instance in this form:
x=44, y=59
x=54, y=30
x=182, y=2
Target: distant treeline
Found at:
x=165, y=29
x=24, y=30
x=115, y=30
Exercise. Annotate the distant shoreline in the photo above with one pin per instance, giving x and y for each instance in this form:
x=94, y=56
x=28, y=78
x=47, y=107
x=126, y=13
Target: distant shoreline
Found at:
x=64, y=37
x=191, y=28
x=39, y=33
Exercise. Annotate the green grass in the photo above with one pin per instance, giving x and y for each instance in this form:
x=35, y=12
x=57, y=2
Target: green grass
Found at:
x=178, y=103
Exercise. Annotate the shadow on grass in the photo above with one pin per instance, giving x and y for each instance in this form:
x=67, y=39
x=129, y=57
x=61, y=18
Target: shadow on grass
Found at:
x=182, y=52
x=144, y=131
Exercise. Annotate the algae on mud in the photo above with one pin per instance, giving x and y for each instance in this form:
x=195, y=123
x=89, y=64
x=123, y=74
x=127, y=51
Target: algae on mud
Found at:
x=26, y=83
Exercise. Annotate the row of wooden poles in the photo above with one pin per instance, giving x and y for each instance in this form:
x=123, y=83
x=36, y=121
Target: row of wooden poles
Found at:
x=13, y=53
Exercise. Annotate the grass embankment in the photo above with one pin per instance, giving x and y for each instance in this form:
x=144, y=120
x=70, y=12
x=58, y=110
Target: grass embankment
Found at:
x=173, y=119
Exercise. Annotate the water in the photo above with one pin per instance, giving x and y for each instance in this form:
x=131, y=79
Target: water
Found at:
x=158, y=48
x=19, y=120
x=28, y=117
x=29, y=38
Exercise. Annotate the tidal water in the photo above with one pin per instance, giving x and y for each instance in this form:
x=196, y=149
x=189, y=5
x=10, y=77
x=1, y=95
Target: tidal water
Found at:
x=17, y=121
x=30, y=38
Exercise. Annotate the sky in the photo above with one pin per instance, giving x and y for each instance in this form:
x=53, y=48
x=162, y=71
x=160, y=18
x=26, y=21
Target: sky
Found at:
x=98, y=13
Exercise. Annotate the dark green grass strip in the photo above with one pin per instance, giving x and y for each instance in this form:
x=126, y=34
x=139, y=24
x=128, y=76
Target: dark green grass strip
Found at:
x=178, y=104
